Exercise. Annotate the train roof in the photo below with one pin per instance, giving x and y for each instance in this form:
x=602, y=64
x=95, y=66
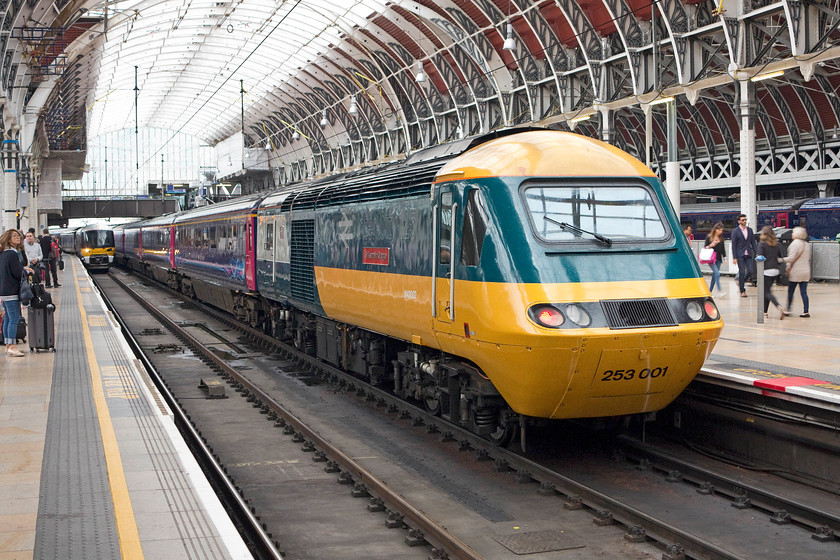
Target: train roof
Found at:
x=239, y=204
x=412, y=176
x=92, y=227
x=817, y=203
x=728, y=207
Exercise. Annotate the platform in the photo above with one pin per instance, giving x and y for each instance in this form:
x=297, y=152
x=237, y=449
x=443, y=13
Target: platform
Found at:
x=91, y=463
x=792, y=355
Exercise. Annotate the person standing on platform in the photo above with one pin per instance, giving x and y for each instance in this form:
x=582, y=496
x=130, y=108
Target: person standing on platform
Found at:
x=688, y=234
x=768, y=247
x=799, y=267
x=33, y=250
x=715, y=241
x=50, y=259
x=11, y=274
x=743, y=252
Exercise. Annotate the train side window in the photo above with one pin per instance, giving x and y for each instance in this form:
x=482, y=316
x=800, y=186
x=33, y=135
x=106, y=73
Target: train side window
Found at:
x=269, y=237
x=475, y=226
x=445, y=227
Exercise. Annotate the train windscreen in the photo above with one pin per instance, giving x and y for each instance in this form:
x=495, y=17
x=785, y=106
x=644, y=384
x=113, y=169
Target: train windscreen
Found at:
x=99, y=238
x=570, y=213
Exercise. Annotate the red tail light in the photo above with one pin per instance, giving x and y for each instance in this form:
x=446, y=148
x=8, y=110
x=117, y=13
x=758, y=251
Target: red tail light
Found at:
x=548, y=316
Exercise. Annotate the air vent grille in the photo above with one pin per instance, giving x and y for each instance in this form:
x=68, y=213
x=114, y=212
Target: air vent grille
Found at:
x=303, y=260
x=633, y=313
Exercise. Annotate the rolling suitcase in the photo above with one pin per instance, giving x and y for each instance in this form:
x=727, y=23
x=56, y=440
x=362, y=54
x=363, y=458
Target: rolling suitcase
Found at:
x=42, y=328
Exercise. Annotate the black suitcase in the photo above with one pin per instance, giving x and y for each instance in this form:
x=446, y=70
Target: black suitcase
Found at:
x=21, y=331
x=42, y=328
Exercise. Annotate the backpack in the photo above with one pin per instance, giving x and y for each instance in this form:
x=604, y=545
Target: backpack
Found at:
x=41, y=298
x=55, y=250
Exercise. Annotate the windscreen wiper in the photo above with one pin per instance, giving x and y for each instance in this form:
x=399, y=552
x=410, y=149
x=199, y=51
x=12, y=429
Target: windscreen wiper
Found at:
x=577, y=231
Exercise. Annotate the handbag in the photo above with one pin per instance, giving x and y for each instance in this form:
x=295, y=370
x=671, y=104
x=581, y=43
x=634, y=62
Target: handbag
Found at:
x=707, y=255
x=25, y=292
x=61, y=264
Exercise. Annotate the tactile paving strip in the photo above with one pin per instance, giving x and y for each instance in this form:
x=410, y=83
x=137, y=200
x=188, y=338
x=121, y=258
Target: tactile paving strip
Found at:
x=75, y=511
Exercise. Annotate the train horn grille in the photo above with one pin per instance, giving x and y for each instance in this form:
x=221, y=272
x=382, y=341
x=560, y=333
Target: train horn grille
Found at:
x=632, y=313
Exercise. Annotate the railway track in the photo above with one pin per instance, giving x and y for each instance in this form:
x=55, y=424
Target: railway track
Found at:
x=653, y=501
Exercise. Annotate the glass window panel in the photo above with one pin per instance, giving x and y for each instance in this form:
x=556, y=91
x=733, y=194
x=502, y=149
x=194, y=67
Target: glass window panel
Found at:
x=616, y=212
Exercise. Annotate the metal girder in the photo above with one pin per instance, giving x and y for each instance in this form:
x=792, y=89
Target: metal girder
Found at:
x=787, y=114
x=714, y=108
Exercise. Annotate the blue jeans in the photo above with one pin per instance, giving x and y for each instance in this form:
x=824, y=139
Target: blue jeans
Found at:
x=11, y=320
x=803, y=291
x=715, y=277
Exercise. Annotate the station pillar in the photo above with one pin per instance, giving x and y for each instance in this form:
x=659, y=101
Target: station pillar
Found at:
x=10, y=184
x=749, y=203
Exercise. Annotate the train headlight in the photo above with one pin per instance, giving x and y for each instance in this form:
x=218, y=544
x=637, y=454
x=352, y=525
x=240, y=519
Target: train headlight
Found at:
x=694, y=310
x=578, y=315
x=711, y=309
x=547, y=316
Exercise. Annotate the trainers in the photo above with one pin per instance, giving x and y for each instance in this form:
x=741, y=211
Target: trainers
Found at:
x=15, y=353
x=743, y=294
x=721, y=294
x=805, y=315
x=57, y=285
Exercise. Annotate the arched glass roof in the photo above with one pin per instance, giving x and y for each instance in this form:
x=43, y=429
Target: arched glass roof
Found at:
x=190, y=56
x=340, y=83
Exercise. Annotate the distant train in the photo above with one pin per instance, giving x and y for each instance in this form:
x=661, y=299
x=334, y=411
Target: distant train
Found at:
x=819, y=216
x=520, y=274
x=94, y=244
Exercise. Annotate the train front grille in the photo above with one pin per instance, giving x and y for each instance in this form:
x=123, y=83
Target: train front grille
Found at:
x=634, y=313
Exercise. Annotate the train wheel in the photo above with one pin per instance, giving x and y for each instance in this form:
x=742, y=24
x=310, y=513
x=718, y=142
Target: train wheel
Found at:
x=431, y=398
x=504, y=434
x=503, y=427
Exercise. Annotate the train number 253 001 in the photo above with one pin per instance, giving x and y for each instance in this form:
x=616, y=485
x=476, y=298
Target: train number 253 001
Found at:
x=628, y=374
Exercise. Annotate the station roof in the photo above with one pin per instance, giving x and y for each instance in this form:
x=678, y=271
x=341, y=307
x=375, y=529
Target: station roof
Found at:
x=330, y=84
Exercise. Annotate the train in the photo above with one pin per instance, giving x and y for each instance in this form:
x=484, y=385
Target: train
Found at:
x=93, y=244
x=499, y=281
x=819, y=216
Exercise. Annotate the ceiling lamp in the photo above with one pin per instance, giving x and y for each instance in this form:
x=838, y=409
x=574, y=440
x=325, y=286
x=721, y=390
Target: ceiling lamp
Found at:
x=767, y=76
x=324, y=121
x=354, y=109
x=421, y=76
x=295, y=135
x=661, y=100
x=510, y=44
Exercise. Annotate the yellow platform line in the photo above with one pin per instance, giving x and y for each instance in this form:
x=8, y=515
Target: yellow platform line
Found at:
x=123, y=512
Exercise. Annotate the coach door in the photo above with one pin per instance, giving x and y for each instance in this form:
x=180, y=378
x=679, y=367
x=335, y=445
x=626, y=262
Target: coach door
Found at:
x=443, y=259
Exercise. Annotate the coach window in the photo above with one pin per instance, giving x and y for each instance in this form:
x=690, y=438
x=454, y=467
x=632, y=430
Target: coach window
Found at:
x=269, y=237
x=475, y=225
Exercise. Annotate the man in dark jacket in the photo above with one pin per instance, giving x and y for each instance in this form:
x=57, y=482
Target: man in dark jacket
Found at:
x=744, y=248
x=50, y=260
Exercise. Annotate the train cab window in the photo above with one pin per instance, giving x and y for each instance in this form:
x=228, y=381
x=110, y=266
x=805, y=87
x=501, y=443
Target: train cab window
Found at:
x=445, y=227
x=605, y=214
x=475, y=225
